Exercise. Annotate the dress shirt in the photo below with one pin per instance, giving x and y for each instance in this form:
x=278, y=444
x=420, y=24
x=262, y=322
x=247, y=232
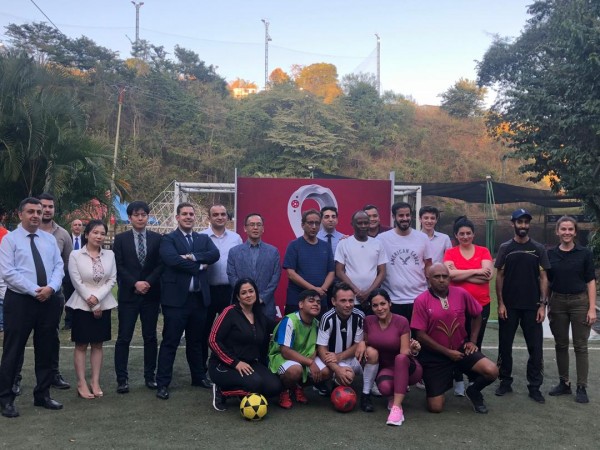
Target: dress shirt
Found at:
x=77, y=237
x=16, y=261
x=217, y=272
x=439, y=243
x=335, y=238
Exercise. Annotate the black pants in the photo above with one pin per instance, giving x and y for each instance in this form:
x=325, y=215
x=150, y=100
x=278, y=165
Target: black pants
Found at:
x=534, y=338
x=55, y=351
x=485, y=315
x=189, y=318
x=147, y=310
x=23, y=314
x=261, y=381
x=220, y=298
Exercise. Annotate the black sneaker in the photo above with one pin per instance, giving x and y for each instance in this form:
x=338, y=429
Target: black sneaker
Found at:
x=504, y=388
x=581, y=395
x=476, y=400
x=536, y=395
x=322, y=389
x=562, y=388
x=365, y=403
x=218, y=399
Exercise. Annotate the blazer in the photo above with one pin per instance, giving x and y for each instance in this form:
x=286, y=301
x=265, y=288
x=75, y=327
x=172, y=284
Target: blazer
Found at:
x=129, y=269
x=177, y=274
x=266, y=275
x=81, y=273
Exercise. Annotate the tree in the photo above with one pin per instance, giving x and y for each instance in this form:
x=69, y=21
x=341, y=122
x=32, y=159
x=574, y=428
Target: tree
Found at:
x=464, y=99
x=278, y=76
x=321, y=79
x=43, y=145
x=549, y=94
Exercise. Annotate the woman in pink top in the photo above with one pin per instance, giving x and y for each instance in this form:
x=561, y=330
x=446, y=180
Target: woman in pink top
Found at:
x=387, y=344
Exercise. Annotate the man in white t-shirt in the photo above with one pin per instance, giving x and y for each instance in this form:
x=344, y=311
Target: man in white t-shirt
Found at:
x=360, y=260
x=439, y=242
x=409, y=256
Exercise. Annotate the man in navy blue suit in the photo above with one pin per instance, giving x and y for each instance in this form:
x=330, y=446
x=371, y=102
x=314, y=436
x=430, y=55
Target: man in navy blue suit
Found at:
x=185, y=297
x=138, y=276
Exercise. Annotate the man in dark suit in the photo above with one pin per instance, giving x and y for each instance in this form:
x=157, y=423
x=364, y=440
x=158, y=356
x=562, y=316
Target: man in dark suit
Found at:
x=257, y=260
x=185, y=297
x=138, y=276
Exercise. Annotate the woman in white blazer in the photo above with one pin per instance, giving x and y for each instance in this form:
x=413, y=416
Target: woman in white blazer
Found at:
x=93, y=272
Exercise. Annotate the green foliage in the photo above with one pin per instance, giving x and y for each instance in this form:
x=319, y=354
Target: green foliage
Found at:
x=548, y=79
x=464, y=99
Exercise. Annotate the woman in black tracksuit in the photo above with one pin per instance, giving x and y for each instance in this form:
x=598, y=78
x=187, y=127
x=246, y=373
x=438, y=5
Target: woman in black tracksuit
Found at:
x=238, y=340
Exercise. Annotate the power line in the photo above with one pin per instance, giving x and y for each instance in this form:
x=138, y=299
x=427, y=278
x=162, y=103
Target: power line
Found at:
x=46, y=16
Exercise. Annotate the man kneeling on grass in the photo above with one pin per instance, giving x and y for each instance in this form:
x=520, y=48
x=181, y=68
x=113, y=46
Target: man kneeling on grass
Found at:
x=439, y=317
x=292, y=353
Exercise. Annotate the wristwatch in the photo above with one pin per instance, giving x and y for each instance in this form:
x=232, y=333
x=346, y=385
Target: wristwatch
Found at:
x=543, y=301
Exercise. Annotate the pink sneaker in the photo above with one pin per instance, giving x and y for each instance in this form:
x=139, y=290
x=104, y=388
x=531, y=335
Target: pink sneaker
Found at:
x=396, y=416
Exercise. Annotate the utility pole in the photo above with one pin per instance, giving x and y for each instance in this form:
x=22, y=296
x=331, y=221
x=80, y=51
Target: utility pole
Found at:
x=121, y=96
x=267, y=39
x=378, y=64
x=137, y=20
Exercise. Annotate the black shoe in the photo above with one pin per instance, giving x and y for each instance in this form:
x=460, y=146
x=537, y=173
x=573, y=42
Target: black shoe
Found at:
x=163, y=393
x=58, y=382
x=151, y=384
x=322, y=389
x=203, y=383
x=476, y=400
x=536, y=395
x=365, y=403
x=9, y=410
x=504, y=388
x=218, y=399
x=16, y=388
x=581, y=395
x=47, y=403
x=123, y=387
x=561, y=388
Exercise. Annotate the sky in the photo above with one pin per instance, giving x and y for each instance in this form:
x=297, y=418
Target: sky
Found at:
x=426, y=45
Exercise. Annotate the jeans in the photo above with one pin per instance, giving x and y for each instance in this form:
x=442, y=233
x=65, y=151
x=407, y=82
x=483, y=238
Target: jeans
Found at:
x=570, y=310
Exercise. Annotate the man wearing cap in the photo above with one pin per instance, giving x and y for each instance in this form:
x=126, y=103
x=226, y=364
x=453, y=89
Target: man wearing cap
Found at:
x=522, y=291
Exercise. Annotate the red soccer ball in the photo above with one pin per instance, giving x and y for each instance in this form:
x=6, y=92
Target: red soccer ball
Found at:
x=343, y=398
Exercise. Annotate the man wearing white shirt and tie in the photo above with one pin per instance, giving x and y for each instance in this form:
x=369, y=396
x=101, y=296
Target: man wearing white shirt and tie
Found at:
x=76, y=229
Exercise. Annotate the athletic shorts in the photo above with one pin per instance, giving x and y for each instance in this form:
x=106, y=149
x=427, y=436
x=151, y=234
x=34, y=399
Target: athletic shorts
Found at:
x=287, y=364
x=350, y=362
x=438, y=370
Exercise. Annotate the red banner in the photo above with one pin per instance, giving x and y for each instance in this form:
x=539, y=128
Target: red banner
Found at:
x=282, y=201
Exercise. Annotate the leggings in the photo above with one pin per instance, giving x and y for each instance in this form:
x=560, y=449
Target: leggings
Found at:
x=395, y=380
x=261, y=381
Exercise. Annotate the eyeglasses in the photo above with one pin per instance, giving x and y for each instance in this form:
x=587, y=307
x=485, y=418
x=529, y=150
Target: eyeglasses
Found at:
x=316, y=300
x=312, y=224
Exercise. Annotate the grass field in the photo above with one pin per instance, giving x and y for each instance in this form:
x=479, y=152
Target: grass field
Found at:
x=187, y=420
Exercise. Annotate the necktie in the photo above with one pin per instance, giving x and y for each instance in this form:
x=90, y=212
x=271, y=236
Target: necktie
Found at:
x=196, y=277
x=141, y=249
x=329, y=241
x=76, y=245
x=40, y=270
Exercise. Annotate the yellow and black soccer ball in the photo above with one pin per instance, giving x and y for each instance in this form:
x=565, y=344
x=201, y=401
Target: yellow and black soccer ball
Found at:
x=253, y=407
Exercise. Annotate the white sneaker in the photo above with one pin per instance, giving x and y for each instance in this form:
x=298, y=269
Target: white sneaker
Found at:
x=375, y=390
x=420, y=385
x=459, y=388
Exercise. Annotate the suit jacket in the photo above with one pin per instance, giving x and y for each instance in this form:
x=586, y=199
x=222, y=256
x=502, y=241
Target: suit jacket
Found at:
x=266, y=275
x=178, y=272
x=129, y=269
x=81, y=272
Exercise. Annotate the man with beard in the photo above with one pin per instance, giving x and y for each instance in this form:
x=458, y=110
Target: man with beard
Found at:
x=409, y=256
x=65, y=247
x=522, y=292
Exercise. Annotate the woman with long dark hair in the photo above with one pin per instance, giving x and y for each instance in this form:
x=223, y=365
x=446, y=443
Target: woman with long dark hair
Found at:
x=238, y=340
